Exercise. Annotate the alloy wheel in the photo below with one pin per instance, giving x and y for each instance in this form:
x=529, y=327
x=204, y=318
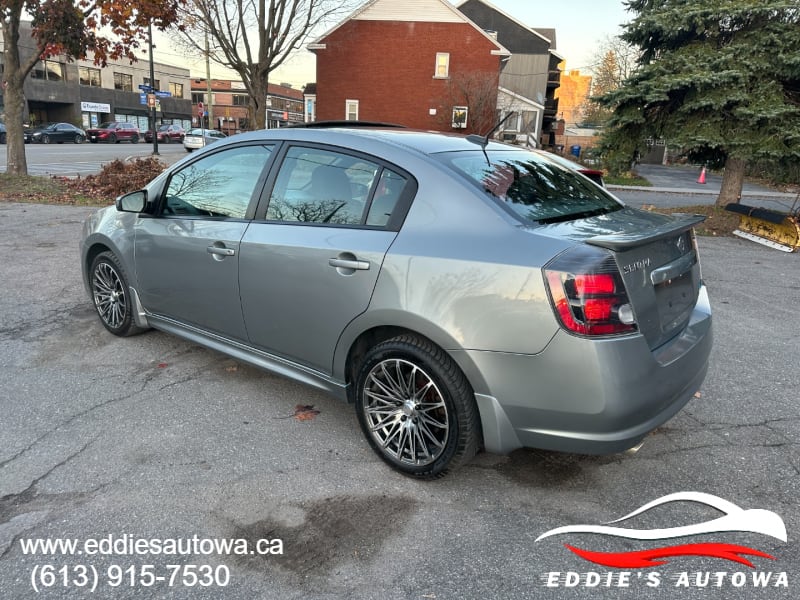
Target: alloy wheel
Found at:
x=405, y=412
x=109, y=295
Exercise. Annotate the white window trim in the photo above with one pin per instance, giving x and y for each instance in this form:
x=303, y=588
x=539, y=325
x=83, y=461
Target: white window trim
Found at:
x=447, y=66
x=347, y=105
x=460, y=109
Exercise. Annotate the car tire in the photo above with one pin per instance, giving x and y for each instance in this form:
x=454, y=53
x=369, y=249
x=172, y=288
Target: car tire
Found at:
x=78, y=138
x=2, y=138
x=45, y=139
x=112, y=139
x=166, y=139
x=416, y=408
x=188, y=149
x=111, y=295
x=135, y=139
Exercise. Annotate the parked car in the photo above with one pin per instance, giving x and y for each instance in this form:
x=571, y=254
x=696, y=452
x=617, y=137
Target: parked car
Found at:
x=463, y=294
x=595, y=175
x=2, y=133
x=57, y=133
x=166, y=134
x=114, y=132
x=198, y=138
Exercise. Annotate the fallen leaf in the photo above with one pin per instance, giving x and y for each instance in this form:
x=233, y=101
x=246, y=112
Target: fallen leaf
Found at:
x=698, y=395
x=162, y=365
x=305, y=412
x=232, y=368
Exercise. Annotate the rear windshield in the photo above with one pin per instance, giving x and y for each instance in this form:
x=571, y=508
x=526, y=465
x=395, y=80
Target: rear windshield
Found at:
x=532, y=187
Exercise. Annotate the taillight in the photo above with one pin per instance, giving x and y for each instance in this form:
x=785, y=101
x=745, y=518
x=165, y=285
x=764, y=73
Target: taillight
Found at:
x=588, y=294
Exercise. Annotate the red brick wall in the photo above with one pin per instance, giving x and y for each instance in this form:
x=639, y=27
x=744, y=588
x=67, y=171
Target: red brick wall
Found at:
x=389, y=66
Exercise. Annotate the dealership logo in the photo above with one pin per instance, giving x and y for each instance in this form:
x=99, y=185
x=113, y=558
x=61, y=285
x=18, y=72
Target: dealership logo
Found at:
x=734, y=520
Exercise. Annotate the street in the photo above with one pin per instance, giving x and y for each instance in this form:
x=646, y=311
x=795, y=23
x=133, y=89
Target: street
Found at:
x=69, y=160
x=152, y=437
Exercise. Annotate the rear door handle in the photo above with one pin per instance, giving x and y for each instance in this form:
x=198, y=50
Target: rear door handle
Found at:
x=342, y=263
x=220, y=251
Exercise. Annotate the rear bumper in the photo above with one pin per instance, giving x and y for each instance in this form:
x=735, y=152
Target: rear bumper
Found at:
x=591, y=396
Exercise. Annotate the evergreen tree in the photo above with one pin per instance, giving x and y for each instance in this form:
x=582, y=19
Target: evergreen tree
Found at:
x=720, y=79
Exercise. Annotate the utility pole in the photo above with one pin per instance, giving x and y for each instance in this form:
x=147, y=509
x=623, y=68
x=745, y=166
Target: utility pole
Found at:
x=209, y=104
x=152, y=83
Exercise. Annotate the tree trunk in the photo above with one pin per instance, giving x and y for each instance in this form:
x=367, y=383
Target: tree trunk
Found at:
x=16, y=163
x=258, y=102
x=13, y=76
x=732, y=181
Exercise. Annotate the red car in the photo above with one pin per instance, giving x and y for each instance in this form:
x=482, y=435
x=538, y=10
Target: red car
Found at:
x=114, y=132
x=167, y=134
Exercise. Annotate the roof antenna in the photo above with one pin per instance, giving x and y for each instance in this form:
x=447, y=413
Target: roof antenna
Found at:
x=483, y=141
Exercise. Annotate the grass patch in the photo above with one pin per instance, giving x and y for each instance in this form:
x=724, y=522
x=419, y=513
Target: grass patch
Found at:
x=627, y=180
x=719, y=222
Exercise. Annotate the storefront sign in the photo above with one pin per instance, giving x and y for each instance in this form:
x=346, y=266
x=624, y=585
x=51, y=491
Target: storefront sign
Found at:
x=95, y=107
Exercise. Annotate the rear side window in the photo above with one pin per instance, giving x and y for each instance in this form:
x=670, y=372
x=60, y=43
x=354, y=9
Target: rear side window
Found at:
x=322, y=186
x=533, y=188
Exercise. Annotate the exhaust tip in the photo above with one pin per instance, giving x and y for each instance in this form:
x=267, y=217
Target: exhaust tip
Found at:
x=634, y=449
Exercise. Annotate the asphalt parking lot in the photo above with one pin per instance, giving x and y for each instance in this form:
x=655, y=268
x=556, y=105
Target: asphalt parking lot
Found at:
x=152, y=437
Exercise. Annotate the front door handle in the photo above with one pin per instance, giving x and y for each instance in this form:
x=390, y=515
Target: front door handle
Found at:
x=220, y=251
x=343, y=263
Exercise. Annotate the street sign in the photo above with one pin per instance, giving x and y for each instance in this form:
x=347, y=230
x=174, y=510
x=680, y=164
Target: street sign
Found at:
x=163, y=94
x=200, y=111
x=142, y=99
x=151, y=100
x=146, y=88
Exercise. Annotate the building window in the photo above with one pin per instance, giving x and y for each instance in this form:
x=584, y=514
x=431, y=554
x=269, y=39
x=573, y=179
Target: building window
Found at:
x=49, y=70
x=198, y=98
x=241, y=100
x=460, y=117
x=176, y=89
x=89, y=76
x=351, y=110
x=123, y=82
x=442, y=65
x=157, y=85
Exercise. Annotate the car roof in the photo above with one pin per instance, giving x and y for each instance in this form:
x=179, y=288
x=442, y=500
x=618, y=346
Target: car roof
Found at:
x=426, y=142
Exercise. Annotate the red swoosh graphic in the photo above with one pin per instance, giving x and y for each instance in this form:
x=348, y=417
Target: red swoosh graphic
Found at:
x=650, y=558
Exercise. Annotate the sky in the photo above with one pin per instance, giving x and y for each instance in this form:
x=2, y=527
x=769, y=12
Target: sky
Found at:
x=581, y=26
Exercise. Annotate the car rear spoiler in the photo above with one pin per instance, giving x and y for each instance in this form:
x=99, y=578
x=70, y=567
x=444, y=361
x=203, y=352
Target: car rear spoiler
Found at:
x=621, y=242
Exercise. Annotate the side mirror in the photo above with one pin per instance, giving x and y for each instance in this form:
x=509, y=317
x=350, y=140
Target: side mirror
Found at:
x=133, y=202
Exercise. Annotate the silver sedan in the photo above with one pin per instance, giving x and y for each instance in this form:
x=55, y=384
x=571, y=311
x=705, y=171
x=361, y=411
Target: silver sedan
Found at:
x=461, y=293
x=198, y=138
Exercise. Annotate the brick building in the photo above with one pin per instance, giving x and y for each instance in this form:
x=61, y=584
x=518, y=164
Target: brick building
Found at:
x=419, y=63
x=229, y=104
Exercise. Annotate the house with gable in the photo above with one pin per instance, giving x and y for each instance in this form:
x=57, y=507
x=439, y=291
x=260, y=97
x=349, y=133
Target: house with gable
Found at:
x=529, y=78
x=418, y=63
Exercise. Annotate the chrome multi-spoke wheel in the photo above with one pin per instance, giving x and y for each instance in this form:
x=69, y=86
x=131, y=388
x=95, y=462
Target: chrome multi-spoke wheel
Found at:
x=416, y=408
x=406, y=413
x=110, y=295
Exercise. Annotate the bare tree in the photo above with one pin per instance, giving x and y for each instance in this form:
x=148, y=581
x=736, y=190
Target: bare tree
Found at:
x=615, y=61
x=255, y=37
x=477, y=92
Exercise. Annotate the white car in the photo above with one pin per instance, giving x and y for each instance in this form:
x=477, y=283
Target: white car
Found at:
x=197, y=138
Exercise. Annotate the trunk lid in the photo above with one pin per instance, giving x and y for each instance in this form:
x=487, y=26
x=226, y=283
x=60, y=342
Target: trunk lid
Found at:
x=657, y=259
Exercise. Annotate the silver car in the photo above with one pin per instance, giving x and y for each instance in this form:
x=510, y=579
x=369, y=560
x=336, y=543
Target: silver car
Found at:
x=462, y=293
x=198, y=138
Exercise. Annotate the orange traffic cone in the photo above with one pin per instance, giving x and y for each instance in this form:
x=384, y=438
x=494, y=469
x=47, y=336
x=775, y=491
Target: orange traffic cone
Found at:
x=702, y=178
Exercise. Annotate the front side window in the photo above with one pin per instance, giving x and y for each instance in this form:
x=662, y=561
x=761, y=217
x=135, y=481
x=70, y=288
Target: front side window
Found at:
x=123, y=82
x=217, y=186
x=351, y=110
x=534, y=188
x=321, y=186
x=442, y=65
